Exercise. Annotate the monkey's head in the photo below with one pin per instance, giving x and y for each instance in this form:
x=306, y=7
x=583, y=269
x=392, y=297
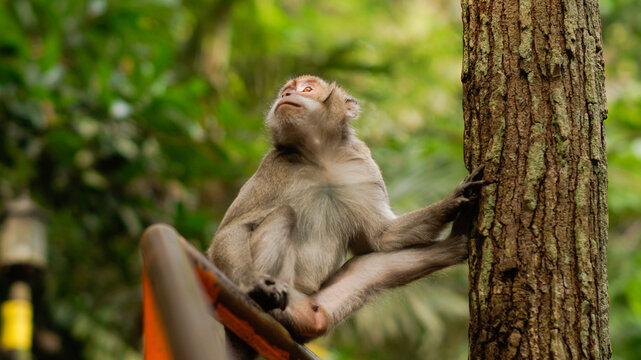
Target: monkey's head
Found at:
x=310, y=106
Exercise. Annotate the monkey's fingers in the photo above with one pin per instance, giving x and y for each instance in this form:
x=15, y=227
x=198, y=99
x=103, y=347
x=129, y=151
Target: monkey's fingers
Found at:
x=472, y=188
x=284, y=301
x=476, y=174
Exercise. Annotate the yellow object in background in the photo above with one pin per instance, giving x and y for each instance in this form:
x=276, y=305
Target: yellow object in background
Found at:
x=317, y=348
x=17, y=328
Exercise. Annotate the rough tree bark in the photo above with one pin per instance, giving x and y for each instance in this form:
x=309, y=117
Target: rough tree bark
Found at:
x=534, y=105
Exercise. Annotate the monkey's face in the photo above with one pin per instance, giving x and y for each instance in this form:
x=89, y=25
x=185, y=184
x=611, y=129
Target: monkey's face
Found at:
x=300, y=97
x=310, y=104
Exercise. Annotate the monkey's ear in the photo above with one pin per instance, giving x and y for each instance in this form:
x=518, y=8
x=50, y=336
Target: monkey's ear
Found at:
x=351, y=108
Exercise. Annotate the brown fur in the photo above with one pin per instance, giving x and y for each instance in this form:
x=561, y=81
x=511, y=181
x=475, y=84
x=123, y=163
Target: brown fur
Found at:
x=316, y=195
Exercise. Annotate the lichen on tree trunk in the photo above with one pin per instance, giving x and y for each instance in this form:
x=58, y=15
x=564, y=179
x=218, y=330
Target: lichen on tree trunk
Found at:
x=534, y=106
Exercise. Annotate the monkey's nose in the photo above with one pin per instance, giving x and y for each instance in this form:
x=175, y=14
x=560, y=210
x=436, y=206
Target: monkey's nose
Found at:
x=287, y=94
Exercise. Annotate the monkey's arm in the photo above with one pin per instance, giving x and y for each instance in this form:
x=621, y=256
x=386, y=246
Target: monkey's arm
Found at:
x=423, y=226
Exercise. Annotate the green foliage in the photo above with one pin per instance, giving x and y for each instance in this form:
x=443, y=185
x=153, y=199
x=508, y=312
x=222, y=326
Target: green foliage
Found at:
x=117, y=114
x=622, y=38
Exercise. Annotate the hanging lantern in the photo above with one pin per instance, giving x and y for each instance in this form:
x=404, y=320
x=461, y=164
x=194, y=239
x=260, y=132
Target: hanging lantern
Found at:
x=23, y=238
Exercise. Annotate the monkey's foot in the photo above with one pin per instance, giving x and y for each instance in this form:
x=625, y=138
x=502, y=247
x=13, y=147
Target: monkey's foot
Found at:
x=304, y=318
x=456, y=248
x=269, y=293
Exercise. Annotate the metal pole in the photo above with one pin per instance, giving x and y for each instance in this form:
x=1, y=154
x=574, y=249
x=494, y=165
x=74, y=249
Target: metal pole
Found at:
x=180, y=300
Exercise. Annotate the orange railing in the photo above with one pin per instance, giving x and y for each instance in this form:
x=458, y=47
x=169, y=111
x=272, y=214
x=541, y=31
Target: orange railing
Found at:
x=181, y=292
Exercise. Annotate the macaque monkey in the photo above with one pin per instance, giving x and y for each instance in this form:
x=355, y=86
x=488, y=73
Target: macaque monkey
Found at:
x=318, y=195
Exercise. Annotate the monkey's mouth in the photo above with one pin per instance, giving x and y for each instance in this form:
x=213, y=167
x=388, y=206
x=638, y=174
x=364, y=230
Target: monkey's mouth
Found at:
x=288, y=102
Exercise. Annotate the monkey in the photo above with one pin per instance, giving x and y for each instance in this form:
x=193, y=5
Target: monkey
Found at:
x=316, y=196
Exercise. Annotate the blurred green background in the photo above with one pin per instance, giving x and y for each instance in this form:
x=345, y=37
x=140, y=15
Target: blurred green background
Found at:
x=118, y=114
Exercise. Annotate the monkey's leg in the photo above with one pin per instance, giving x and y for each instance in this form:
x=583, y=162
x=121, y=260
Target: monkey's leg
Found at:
x=274, y=258
x=273, y=261
x=423, y=226
x=361, y=278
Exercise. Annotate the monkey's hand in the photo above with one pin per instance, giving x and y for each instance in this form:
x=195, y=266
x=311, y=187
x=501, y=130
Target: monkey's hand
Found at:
x=269, y=293
x=467, y=191
x=462, y=227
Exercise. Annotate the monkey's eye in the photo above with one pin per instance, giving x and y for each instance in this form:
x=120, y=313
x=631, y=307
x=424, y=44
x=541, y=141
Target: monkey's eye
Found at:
x=307, y=89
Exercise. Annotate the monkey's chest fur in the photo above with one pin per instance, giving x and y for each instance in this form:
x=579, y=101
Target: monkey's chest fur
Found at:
x=335, y=201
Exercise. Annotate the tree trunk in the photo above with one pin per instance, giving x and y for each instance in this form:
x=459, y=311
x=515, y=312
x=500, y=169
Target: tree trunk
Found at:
x=534, y=105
